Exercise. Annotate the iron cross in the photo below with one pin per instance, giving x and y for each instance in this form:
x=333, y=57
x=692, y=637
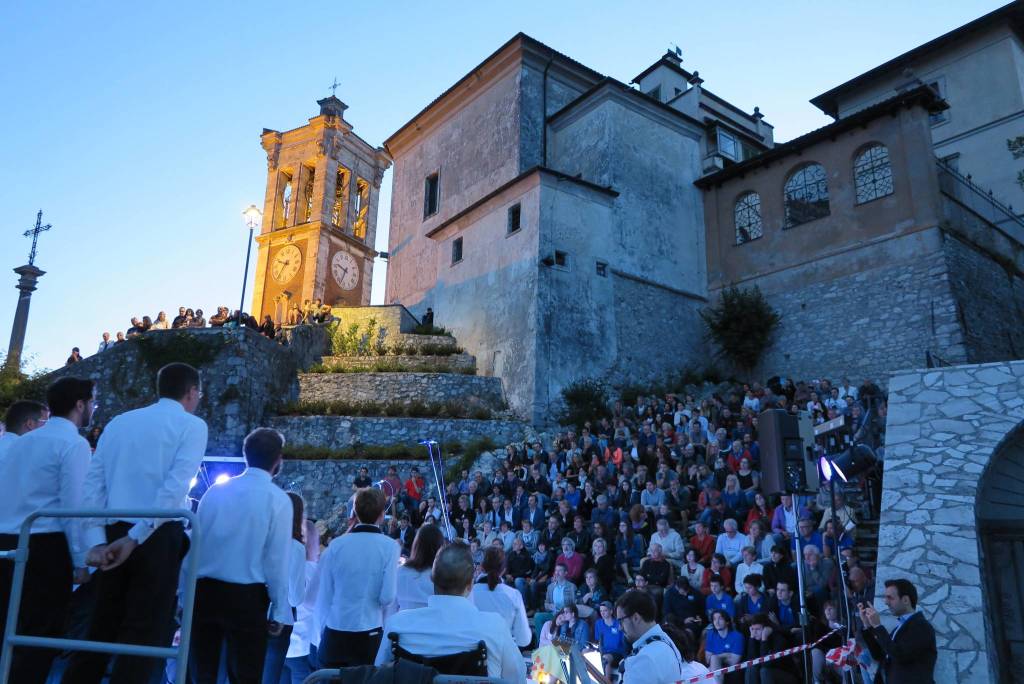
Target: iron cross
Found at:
x=334, y=86
x=35, y=236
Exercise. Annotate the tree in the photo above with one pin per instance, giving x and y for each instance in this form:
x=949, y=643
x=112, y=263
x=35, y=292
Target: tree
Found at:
x=1016, y=148
x=584, y=400
x=741, y=324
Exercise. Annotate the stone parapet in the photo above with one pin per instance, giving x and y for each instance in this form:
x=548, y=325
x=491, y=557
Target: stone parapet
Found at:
x=395, y=318
x=403, y=388
x=344, y=432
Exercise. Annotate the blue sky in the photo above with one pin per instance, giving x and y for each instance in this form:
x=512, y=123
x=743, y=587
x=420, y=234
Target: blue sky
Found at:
x=135, y=126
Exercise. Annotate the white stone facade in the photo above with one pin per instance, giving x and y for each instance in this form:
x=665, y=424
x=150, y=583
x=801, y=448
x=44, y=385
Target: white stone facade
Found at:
x=944, y=426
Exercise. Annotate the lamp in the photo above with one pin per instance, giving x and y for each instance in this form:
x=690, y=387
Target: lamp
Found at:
x=854, y=461
x=253, y=217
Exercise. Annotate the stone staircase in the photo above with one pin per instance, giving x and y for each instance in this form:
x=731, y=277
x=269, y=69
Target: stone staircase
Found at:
x=398, y=389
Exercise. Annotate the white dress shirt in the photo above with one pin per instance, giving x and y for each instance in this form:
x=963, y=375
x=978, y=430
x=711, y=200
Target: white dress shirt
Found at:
x=45, y=468
x=246, y=526
x=6, y=440
x=306, y=630
x=508, y=603
x=145, y=459
x=452, y=624
x=654, y=660
x=358, y=580
x=414, y=587
x=742, y=570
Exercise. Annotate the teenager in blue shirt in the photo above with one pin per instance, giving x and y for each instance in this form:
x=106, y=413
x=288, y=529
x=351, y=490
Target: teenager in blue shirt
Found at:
x=718, y=599
x=724, y=645
x=609, y=637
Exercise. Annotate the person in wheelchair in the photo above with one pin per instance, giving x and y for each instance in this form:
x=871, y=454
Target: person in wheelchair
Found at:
x=451, y=634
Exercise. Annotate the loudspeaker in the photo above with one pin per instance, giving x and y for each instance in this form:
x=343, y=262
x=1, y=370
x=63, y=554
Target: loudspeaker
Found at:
x=785, y=465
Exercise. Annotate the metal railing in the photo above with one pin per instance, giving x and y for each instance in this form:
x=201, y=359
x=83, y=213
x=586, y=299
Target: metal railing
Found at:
x=964, y=190
x=20, y=557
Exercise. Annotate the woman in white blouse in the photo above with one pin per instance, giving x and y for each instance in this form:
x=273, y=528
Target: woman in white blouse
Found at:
x=278, y=646
x=490, y=594
x=414, y=583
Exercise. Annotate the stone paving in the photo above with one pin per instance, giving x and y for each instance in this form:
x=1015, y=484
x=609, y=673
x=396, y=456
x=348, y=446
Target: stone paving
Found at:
x=943, y=427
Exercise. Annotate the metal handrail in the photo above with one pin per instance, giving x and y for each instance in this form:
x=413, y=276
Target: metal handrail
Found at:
x=20, y=557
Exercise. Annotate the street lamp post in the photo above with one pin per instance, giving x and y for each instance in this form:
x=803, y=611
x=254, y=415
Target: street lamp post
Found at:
x=252, y=219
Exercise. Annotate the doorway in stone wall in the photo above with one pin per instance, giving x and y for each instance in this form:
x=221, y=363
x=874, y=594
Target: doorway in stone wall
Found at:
x=1000, y=509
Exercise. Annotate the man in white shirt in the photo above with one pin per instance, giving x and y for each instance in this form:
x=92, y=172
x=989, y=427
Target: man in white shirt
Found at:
x=22, y=416
x=358, y=580
x=145, y=459
x=105, y=343
x=731, y=543
x=654, y=658
x=671, y=543
x=44, y=468
x=451, y=624
x=246, y=526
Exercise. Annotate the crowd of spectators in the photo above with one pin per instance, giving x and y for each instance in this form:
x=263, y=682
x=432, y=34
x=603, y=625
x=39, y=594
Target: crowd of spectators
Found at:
x=311, y=312
x=665, y=497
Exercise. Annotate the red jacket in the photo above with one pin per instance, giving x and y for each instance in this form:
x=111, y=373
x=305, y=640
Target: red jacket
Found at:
x=704, y=547
x=415, y=487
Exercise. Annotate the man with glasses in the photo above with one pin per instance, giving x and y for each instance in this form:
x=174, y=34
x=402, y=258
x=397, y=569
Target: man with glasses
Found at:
x=45, y=468
x=654, y=658
x=145, y=459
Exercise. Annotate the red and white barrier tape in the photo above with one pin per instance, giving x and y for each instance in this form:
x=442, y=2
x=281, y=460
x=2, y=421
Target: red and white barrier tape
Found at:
x=756, y=661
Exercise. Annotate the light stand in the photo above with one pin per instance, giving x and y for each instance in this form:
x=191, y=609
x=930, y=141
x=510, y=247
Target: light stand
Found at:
x=805, y=656
x=437, y=467
x=252, y=218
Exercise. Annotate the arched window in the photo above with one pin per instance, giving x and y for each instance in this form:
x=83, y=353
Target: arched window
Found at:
x=747, y=214
x=872, y=173
x=806, y=195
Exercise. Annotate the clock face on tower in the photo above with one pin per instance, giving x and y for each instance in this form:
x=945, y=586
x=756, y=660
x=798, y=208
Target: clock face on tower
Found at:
x=286, y=264
x=345, y=270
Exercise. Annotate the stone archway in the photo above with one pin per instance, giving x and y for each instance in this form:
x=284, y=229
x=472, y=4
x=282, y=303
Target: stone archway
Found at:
x=1000, y=509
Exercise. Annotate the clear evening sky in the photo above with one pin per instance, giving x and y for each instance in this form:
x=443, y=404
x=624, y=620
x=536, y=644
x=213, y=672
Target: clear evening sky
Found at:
x=135, y=125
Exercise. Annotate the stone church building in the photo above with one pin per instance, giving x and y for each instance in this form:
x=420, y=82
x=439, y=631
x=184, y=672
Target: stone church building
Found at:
x=567, y=225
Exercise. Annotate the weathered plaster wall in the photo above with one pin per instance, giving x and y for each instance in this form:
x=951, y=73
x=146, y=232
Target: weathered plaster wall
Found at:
x=942, y=429
x=247, y=376
x=404, y=388
x=343, y=432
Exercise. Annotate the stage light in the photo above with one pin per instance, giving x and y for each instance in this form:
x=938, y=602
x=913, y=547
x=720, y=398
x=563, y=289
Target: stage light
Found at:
x=854, y=461
x=221, y=479
x=826, y=468
x=193, y=482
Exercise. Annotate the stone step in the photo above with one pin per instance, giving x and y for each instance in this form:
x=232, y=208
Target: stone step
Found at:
x=403, y=388
x=344, y=432
x=452, y=363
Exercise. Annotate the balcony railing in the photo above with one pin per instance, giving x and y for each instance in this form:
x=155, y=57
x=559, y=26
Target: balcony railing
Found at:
x=978, y=200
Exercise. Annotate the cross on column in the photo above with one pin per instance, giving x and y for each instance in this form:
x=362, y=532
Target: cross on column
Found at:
x=34, y=232
x=334, y=86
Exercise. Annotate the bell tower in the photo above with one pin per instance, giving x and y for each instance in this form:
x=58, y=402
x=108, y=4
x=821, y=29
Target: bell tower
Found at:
x=319, y=215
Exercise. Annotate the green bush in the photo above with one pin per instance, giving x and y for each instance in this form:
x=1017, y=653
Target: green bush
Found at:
x=431, y=330
x=466, y=456
x=741, y=325
x=159, y=348
x=399, y=452
x=15, y=385
x=584, y=400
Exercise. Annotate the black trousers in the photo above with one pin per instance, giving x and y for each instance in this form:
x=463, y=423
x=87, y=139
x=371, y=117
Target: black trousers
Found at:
x=231, y=618
x=135, y=604
x=45, y=600
x=349, y=649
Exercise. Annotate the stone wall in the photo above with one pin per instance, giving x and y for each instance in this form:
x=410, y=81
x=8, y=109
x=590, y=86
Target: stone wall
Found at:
x=342, y=432
x=395, y=318
x=244, y=375
x=990, y=302
x=942, y=429
x=404, y=388
x=865, y=324
x=453, y=363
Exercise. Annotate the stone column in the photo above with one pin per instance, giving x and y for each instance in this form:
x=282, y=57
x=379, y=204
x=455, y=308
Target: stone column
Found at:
x=26, y=286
